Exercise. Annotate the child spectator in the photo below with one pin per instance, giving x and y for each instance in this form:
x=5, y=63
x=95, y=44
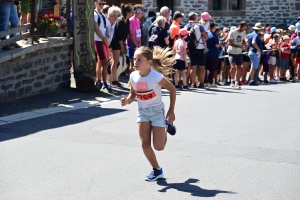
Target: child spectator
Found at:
x=285, y=49
x=266, y=65
x=135, y=33
x=179, y=49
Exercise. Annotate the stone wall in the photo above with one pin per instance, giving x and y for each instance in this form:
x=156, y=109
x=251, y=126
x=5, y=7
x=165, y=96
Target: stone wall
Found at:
x=43, y=70
x=273, y=12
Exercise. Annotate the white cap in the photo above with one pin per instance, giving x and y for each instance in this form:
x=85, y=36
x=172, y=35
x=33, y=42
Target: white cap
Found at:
x=233, y=28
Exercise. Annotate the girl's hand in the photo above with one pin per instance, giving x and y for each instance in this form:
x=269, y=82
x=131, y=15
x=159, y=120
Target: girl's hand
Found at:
x=124, y=100
x=170, y=116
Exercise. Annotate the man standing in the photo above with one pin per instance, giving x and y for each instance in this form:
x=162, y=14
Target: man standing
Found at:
x=101, y=46
x=255, y=49
x=135, y=34
x=198, y=57
x=235, y=47
x=165, y=12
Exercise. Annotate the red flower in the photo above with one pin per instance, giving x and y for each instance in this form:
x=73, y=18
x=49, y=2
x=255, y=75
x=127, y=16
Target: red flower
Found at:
x=57, y=18
x=40, y=17
x=49, y=22
x=46, y=16
x=62, y=26
x=51, y=15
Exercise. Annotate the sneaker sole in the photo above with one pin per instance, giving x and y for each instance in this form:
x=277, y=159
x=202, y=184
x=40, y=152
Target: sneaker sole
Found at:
x=155, y=179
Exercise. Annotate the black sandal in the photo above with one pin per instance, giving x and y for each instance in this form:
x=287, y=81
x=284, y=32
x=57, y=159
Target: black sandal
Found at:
x=8, y=47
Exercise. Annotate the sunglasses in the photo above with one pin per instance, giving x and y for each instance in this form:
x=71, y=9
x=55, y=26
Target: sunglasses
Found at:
x=101, y=4
x=138, y=11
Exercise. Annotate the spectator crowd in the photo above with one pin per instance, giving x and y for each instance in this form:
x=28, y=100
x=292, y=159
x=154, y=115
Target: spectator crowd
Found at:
x=206, y=55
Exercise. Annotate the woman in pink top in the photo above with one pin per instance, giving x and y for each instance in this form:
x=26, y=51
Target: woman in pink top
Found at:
x=180, y=55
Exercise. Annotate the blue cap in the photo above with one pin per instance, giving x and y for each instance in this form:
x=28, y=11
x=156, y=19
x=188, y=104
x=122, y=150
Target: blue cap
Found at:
x=273, y=29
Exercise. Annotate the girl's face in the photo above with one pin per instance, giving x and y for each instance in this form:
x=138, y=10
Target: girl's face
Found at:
x=141, y=63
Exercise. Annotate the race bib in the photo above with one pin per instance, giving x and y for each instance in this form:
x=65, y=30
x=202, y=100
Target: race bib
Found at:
x=146, y=96
x=152, y=38
x=138, y=33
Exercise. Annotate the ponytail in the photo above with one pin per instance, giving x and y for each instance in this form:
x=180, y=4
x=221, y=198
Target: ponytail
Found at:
x=162, y=59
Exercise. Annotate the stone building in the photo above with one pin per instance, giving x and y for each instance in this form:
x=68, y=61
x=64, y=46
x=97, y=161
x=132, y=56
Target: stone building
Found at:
x=229, y=12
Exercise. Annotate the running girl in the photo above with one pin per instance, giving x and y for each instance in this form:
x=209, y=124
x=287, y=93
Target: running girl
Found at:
x=145, y=85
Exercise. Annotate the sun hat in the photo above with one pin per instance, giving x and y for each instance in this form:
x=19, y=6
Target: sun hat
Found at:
x=258, y=26
x=205, y=16
x=292, y=28
x=177, y=14
x=298, y=18
x=286, y=37
x=183, y=32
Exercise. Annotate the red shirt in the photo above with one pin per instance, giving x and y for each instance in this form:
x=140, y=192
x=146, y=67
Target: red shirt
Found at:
x=293, y=36
x=285, y=47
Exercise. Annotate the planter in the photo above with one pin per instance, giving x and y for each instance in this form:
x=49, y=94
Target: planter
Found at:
x=44, y=32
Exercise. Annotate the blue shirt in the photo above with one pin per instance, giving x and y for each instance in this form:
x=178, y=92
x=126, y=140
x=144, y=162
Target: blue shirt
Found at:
x=254, y=36
x=295, y=51
x=213, y=51
x=295, y=41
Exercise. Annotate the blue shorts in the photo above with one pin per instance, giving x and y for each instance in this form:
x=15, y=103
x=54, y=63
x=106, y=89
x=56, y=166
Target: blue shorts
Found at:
x=284, y=63
x=130, y=52
x=155, y=115
x=255, y=59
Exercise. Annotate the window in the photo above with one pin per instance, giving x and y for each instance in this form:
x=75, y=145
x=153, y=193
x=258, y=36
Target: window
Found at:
x=217, y=5
x=236, y=5
x=227, y=8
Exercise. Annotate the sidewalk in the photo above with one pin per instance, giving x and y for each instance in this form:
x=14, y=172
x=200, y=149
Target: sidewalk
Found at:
x=59, y=98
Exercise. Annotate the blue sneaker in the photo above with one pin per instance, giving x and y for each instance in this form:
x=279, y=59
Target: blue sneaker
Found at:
x=155, y=174
x=171, y=128
x=99, y=84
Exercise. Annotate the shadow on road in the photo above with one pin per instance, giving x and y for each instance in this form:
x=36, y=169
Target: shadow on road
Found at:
x=189, y=188
x=52, y=121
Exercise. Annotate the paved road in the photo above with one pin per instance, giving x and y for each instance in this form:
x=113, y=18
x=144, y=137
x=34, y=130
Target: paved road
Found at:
x=231, y=144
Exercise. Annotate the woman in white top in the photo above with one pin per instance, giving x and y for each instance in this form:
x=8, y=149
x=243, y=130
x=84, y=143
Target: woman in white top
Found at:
x=145, y=86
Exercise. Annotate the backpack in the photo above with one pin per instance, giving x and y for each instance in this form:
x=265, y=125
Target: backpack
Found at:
x=153, y=40
x=191, y=40
x=99, y=20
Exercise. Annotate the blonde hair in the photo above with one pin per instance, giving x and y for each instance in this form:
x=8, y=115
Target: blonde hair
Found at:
x=160, y=20
x=162, y=59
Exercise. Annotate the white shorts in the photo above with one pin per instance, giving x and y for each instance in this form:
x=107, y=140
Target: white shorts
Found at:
x=273, y=60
